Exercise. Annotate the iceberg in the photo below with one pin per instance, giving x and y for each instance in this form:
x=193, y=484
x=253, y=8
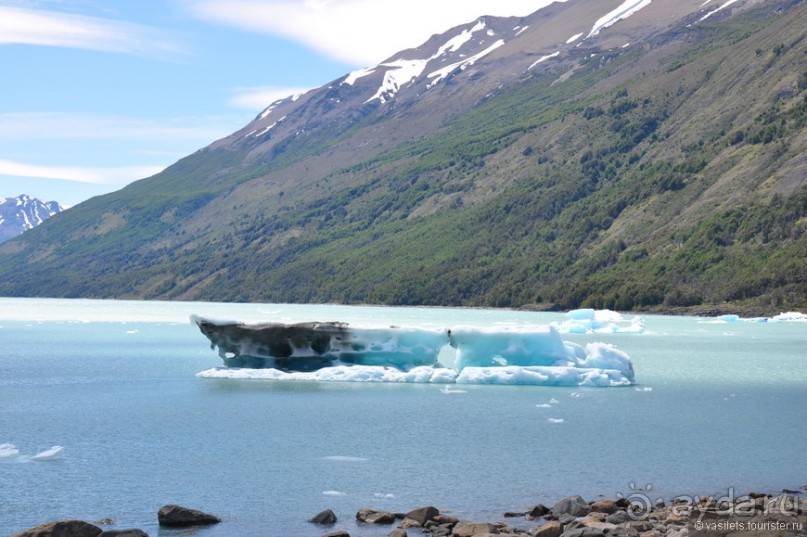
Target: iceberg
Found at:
x=312, y=346
x=587, y=321
x=336, y=351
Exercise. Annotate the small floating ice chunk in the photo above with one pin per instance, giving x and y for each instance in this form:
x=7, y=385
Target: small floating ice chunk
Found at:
x=792, y=316
x=8, y=450
x=344, y=458
x=555, y=420
x=554, y=401
x=333, y=493
x=644, y=389
x=383, y=496
x=543, y=405
x=49, y=454
x=448, y=389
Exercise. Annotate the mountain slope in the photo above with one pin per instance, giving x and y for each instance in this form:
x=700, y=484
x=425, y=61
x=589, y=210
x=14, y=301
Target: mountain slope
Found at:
x=23, y=213
x=553, y=160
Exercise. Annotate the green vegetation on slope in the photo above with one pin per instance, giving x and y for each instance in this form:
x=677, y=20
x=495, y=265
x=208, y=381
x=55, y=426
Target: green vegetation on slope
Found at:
x=681, y=188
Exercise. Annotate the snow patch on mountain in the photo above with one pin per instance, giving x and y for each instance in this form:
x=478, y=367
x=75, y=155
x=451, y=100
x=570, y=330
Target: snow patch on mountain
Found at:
x=400, y=72
x=727, y=4
x=544, y=58
x=574, y=38
x=625, y=10
x=440, y=74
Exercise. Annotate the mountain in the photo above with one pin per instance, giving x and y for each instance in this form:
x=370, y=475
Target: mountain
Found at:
x=23, y=213
x=631, y=155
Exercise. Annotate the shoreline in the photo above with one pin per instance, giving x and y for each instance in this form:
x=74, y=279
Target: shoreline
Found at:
x=754, y=514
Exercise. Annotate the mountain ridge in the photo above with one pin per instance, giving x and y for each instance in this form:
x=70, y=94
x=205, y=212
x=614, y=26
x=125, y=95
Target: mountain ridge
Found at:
x=587, y=178
x=22, y=213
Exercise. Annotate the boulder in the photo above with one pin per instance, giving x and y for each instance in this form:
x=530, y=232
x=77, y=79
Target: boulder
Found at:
x=550, y=529
x=538, y=511
x=341, y=533
x=422, y=515
x=325, y=518
x=124, y=533
x=175, y=516
x=605, y=506
x=398, y=533
x=371, y=516
x=620, y=517
x=575, y=506
x=469, y=529
x=63, y=528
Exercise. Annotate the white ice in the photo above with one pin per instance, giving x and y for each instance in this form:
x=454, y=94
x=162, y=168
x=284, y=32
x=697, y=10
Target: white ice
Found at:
x=49, y=454
x=588, y=321
x=502, y=354
x=8, y=451
x=790, y=316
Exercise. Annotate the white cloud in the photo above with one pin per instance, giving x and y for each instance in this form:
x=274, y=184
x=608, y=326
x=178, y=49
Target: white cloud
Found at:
x=99, y=176
x=359, y=32
x=258, y=99
x=58, y=29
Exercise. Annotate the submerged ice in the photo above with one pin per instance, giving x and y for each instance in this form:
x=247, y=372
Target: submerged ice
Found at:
x=333, y=351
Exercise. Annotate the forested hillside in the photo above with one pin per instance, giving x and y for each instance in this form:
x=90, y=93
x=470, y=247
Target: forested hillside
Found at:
x=661, y=174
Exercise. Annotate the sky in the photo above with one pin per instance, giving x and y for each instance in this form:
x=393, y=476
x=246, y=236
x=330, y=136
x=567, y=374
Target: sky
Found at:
x=95, y=94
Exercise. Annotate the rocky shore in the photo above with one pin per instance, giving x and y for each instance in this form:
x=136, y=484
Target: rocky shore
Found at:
x=751, y=515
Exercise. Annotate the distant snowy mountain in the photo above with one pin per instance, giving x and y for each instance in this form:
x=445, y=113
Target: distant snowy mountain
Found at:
x=23, y=213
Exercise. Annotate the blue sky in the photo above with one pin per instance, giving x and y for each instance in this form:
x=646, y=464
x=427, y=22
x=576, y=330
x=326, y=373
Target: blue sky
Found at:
x=95, y=94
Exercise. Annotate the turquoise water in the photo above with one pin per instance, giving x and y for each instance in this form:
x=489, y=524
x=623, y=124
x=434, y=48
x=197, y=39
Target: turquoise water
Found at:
x=717, y=406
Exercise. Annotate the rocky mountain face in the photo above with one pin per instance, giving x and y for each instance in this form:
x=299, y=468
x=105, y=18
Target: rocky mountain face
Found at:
x=604, y=153
x=23, y=213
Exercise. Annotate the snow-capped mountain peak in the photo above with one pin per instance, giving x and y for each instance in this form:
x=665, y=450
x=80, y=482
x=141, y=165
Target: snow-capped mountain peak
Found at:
x=23, y=213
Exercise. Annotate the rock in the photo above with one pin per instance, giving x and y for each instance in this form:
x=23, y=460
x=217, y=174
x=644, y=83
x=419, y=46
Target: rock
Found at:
x=124, y=533
x=324, y=518
x=176, y=516
x=371, y=516
x=624, y=532
x=514, y=514
x=640, y=526
x=63, y=528
x=620, y=517
x=583, y=532
x=341, y=533
x=398, y=533
x=538, y=511
x=422, y=515
x=575, y=506
x=605, y=506
x=445, y=519
x=550, y=529
x=469, y=529
x=622, y=503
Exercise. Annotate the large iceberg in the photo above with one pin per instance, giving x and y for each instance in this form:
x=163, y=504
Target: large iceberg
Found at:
x=335, y=351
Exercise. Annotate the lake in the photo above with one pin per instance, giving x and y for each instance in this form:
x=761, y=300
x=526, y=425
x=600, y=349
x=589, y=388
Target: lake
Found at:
x=718, y=406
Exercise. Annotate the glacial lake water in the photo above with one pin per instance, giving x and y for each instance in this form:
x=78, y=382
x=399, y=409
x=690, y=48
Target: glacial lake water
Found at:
x=718, y=407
